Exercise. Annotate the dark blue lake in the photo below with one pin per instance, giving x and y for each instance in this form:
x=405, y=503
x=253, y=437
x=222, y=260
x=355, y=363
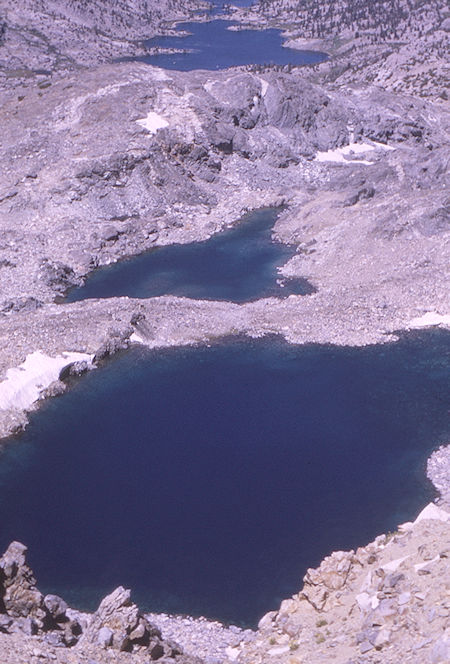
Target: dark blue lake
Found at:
x=209, y=479
x=212, y=46
x=239, y=264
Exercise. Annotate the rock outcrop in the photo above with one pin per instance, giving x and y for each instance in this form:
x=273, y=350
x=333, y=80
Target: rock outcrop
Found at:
x=117, y=624
x=386, y=602
x=25, y=609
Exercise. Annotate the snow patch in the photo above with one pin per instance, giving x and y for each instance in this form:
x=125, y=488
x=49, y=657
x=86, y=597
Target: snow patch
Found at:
x=136, y=338
x=153, y=122
x=264, y=86
x=23, y=384
x=430, y=319
x=338, y=155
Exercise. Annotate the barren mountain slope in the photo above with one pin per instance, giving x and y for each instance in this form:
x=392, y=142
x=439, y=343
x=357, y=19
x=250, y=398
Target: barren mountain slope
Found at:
x=49, y=33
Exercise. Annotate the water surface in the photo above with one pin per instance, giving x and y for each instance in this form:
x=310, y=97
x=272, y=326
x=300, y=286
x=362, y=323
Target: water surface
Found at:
x=212, y=46
x=239, y=264
x=209, y=479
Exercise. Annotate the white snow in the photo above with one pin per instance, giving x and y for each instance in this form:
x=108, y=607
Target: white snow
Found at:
x=264, y=86
x=23, y=384
x=338, y=155
x=136, y=338
x=153, y=122
x=429, y=319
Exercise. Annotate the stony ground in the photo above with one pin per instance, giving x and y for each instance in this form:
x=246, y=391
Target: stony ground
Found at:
x=92, y=186
x=38, y=37
x=212, y=641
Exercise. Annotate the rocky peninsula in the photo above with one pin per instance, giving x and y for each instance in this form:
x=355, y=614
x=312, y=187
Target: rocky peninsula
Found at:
x=103, y=160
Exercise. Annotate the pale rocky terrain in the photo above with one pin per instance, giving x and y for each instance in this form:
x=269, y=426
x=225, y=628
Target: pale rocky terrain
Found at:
x=135, y=157
x=41, y=38
x=401, y=46
x=387, y=602
x=103, y=161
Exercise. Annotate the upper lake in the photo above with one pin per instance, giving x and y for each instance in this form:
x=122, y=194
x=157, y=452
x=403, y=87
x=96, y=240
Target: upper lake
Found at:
x=209, y=479
x=211, y=45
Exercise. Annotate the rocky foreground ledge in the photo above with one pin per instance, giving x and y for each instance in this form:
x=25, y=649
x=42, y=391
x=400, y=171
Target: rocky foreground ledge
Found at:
x=385, y=603
x=39, y=626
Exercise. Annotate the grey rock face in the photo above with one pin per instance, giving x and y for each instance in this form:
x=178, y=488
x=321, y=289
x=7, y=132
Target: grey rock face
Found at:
x=20, y=597
x=24, y=609
x=58, y=277
x=25, y=304
x=118, y=624
x=56, y=607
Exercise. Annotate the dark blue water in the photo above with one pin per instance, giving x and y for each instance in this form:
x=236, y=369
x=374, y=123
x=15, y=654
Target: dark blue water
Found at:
x=209, y=479
x=211, y=46
x=238, y=265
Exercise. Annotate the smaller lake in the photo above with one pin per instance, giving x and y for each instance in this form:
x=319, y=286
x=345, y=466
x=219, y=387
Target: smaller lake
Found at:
x=213, y=46
x=239, y=265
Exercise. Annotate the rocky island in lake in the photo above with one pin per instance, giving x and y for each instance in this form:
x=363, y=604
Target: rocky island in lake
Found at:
x=107, y=157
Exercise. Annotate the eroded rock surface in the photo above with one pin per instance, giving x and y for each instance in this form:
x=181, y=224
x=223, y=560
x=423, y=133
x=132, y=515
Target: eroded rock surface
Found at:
x=24, y=609
x=118, y=624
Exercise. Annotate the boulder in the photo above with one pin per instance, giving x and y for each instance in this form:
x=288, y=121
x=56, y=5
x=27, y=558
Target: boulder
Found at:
x=118, y=624
x=19, y=596
x=58, y=276
x=23, y=608
x=56, y=607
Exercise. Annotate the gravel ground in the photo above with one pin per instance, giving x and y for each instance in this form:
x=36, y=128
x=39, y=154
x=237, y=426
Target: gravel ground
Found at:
x=211, y=641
